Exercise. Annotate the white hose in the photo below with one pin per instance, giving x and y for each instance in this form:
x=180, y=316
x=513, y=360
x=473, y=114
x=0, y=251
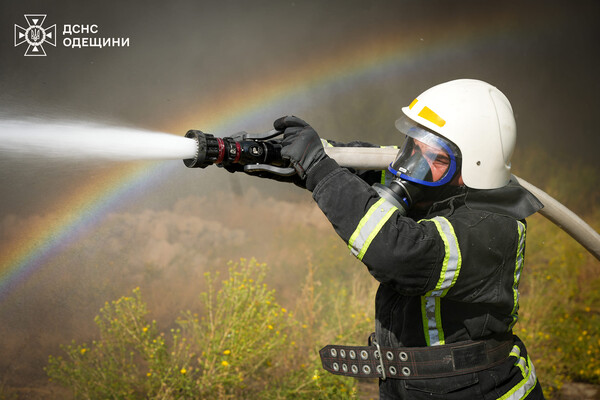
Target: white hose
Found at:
x=375, y=158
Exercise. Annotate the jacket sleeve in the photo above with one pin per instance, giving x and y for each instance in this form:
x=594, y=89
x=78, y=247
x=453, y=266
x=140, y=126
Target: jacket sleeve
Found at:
x=409, y=255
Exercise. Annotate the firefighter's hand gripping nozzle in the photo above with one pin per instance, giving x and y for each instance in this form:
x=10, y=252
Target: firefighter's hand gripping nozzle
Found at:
x=251, y=152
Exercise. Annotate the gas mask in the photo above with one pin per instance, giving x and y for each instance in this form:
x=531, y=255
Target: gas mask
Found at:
x=425, y=163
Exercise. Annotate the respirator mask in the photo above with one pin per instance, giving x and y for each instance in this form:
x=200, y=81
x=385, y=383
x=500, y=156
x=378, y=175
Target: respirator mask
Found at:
x=423, y=165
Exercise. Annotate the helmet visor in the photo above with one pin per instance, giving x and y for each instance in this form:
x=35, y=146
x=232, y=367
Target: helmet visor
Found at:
x=424, y=157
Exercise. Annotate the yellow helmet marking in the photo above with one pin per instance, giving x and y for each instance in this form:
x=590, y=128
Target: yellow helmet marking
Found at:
x=431, y=116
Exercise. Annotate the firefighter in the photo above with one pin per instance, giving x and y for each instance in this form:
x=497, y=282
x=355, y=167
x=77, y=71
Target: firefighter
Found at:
x=443, y=231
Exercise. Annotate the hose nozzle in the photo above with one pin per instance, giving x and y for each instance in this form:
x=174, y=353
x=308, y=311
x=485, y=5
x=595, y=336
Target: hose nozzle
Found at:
x=255, y=152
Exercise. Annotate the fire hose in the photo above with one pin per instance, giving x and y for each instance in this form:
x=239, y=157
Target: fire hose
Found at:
x=258, y=152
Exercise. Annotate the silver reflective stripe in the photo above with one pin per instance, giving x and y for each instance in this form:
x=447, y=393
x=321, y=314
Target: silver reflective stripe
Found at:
x=430, y=303
x=432, y=320
x=369, y=226
x=517, y=275
x=522, y=389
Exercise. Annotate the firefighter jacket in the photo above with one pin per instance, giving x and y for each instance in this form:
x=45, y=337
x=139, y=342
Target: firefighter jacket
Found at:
x=447, y=275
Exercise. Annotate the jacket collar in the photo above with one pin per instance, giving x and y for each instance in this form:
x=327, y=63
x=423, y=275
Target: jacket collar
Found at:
x=512, y=200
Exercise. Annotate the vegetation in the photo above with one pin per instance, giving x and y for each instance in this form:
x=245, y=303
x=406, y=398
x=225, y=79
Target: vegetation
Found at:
x=246, y=346
x=249, y=345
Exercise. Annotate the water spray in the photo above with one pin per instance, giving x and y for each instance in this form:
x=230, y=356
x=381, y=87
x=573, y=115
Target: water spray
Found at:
x=73, y=140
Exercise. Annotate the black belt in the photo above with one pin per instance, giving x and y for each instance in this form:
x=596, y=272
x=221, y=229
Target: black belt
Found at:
x=376, y=361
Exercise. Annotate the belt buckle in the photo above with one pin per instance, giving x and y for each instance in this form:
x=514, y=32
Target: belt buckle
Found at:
x=374, y=341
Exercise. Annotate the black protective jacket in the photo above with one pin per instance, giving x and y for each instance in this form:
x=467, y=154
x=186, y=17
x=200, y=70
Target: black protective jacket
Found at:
x=446, y=275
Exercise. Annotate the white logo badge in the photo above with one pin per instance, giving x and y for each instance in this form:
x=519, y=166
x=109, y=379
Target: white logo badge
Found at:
x=35, y=35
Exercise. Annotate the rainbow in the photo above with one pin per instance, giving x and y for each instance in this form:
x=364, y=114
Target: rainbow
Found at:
x=88, y=205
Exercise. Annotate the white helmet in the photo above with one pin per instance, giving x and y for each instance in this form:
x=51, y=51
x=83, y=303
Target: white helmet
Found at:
x=478, y=119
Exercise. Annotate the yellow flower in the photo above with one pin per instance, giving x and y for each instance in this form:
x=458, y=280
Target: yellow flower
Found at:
x=227, y=352
x=283, y=310
x=149, y=374
x=145, y=329
x=224, y=363
x=183, y=371
x=270, y=327
x=83, y=351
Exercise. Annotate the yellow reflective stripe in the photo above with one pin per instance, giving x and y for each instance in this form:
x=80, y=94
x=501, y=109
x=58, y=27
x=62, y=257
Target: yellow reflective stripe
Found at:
x=431, y=116
x=517, y=274
x=430, y=303
x=375, y=231
x=522, y=389
x=369, y=226
x=452, y=257
x=325, y=143
x=412, y=104
x=383, y=177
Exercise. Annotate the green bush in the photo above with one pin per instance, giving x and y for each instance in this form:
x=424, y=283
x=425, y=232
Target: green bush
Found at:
x=245, y=346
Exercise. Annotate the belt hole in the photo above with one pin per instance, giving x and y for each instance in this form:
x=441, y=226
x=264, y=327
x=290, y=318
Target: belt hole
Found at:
x=393, y=370
x=389, y=355
x=354, y=369
x=336, y=366
x=403, y=356
x=352, y=354
x=342, y=353
x=405, y=371
x=364, y=354
x=366, y=369
x=344, y=368
x=333, y=353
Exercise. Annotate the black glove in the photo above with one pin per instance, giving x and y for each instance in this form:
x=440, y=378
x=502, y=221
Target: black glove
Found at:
x=301, y=145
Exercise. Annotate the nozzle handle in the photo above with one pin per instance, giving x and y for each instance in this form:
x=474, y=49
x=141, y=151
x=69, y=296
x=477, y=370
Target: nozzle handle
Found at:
x=289, y=171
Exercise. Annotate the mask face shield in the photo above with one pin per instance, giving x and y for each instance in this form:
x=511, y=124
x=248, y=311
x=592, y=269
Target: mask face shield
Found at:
x=424, y=158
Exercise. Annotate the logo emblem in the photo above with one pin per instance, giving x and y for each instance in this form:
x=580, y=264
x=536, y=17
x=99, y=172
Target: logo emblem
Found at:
x=35, y=35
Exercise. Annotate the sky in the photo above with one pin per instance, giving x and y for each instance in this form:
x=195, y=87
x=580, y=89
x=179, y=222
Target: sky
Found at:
x=347, y=67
